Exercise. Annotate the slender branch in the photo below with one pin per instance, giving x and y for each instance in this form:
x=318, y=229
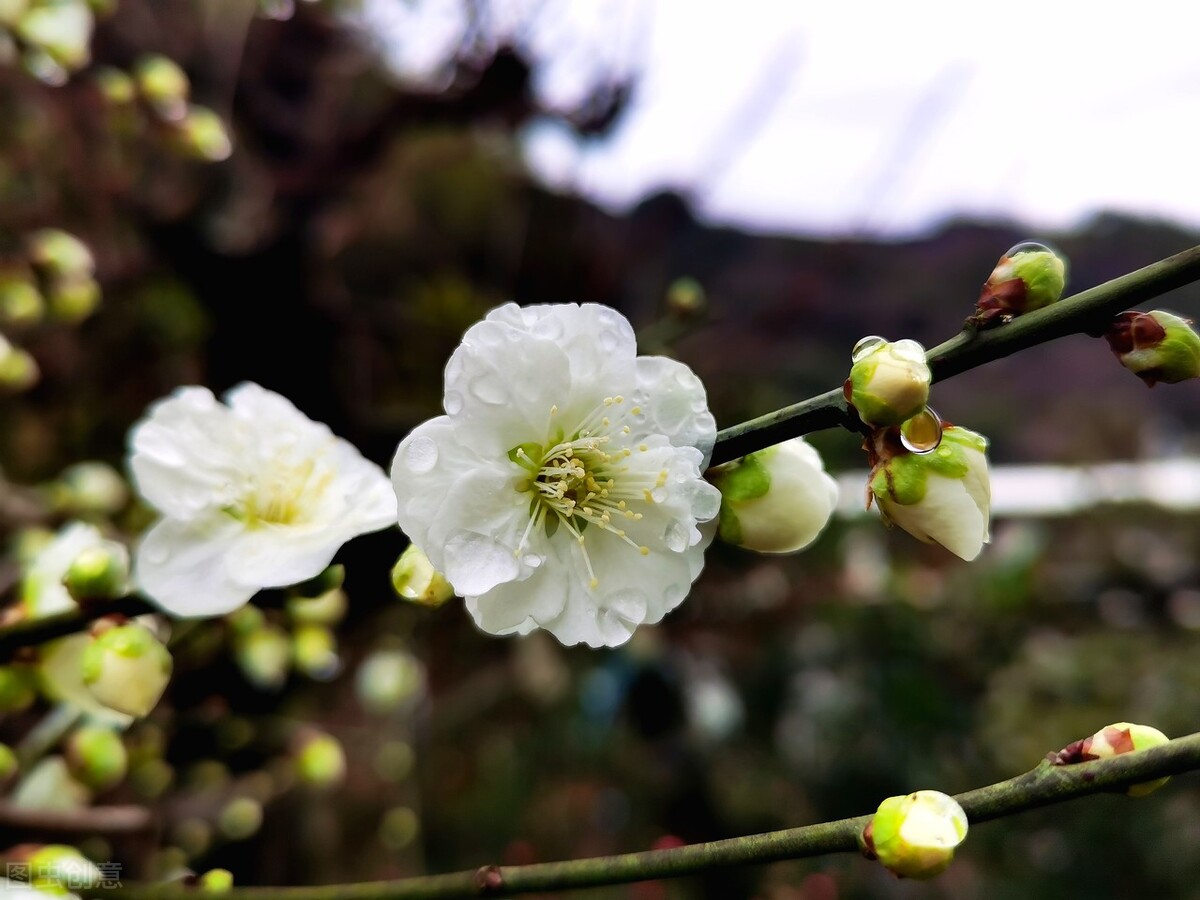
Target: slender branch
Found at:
x=1042, y=786
x=30, y=632
x=107, y=820
x=1086, y=312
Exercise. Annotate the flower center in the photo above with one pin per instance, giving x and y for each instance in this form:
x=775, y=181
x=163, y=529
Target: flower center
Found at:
x=285, y=495
x=585, y=480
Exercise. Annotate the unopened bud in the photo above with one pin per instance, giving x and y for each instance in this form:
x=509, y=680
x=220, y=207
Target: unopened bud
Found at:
x=1155, y=346
x=942, y=496
x=264, y=656
x=163, y=84
x=60, y=254
x=115, y=85
x=74, y=299
x=8, y=763
x=11, y=11
x=1028, y=277
x=240, y=818
x=330, y=579
x=889, y=381
x=127, y=669
x=388, y=678
x=21, y=303
x=96, y=756
x=686, y=299
x=61, y=30
x=18, y=369
x=915, y=836
x=1113, y=740
x=215, y=881
x=320, y=760
x=414, y=578
x=201, y=134
x=100, y=572
x=327, y=609
x=92, y=487
x=775, y=500
x=55, y=868
x=18, y=688
x=314, y=649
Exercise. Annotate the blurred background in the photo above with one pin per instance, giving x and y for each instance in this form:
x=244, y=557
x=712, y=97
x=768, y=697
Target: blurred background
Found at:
x=324, y=195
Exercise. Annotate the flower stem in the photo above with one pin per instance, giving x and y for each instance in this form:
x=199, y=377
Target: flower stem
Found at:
x=1044, y=785
x=1086, y=312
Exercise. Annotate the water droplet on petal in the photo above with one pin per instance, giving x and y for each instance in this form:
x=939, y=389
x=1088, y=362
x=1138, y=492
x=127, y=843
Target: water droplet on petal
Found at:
x=489, y=389
x=1027, y=247
x=865, y=346
x=923, y=432
x=453, y=402
x=421, y=454
x=675, y=536
x=658, y=494
x=532, y=560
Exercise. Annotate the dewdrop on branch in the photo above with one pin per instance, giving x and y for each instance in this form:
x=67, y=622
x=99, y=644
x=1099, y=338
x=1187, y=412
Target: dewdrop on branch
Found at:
x=776, y=500
x=414, y=578
x=1113, y=740
x=940, y=496
x=915, y=836
x=127, y=668
x=1155, y=346
x=889, y=381
x=1028, y=277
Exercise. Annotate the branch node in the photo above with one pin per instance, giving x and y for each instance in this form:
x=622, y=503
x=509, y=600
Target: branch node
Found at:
x=489, y=880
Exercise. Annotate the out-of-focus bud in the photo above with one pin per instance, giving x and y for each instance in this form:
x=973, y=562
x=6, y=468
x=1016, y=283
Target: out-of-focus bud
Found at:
x=63, y=31
x=60, y=254
x=215, y=881
x=8, y=763
x=388, y=678
x=21, y=303
x=686, y=299
x=943, y=496
x=11, y=11
x=18, y=369
x=320, y=760
x=915, y=836
x=96, y=756
x=56, y=868
x=314, y=649
x=17, y=688
x=202, y=135
x=127, y=669
x=91, y=487
x=264, y=655
x=332, y=578
x=775, y=500
x=102, y=8
x=49, y=786
x=240, y=818
x=163, y=85
x=115, y=85
x=327, y=609
x=1028, y=277
x=1155, y=346
x=399, y=827
x=889, y=380
x=100, y=572
x=246, y=619
x=1113, y=740
x=74, y=299
x=414, y=578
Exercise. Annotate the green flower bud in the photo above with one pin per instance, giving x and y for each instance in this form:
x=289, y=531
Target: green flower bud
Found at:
x=314, y=649
x=915, y=836
x=18, y=369
x=264, y=655
x=8, y=763
x=1028, y=277
x=215, y=881
x=11, y=11
x=414, y=578
x=246, y=619
x=320, y=760
x=1155, y=346
x=151, y=778
x=399, y=827
x=117, y=87
x=1113, y=740
x=62, y=30
x=330, y=579
x=92, y=487
x=127, y=669
x=240, y=818
x=96, y=757
x=100, y=572
x=686, y=299
x=387, y=679
x=327, y=609
x=202, y=135
x=18, y=688
x=56, y=868
x=21, y=303
x=60, y=254
x=74, y=299
x=163, y=84
x=889, y=381
x=775, y=500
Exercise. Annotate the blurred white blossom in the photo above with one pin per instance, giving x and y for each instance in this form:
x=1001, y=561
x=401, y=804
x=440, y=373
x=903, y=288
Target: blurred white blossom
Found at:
x=42, y=589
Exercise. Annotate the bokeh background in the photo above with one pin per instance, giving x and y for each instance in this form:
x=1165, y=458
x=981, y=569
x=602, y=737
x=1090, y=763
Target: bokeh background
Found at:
x=755, y=190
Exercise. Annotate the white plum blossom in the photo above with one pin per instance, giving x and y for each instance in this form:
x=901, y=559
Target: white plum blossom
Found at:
x=42, y=589
x=562, y=489
x=253, y=494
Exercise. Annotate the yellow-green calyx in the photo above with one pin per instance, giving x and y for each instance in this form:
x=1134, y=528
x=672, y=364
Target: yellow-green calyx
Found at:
x=903, y=477
x=914, y=836
x=889, y=381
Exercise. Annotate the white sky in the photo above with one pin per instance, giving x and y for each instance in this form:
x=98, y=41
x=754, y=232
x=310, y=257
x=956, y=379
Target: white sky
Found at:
x=863, y=117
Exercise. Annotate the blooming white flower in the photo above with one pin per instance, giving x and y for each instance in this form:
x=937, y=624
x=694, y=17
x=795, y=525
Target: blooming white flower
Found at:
x=563, y=487
x=253, y=495
x=939, y=497
x=42, y=589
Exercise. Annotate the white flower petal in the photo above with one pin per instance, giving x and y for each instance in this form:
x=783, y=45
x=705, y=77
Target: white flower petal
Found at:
x=182, y=567
x=60, y=668
x=677, y=404
x=947, y=515
x=42, y=590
